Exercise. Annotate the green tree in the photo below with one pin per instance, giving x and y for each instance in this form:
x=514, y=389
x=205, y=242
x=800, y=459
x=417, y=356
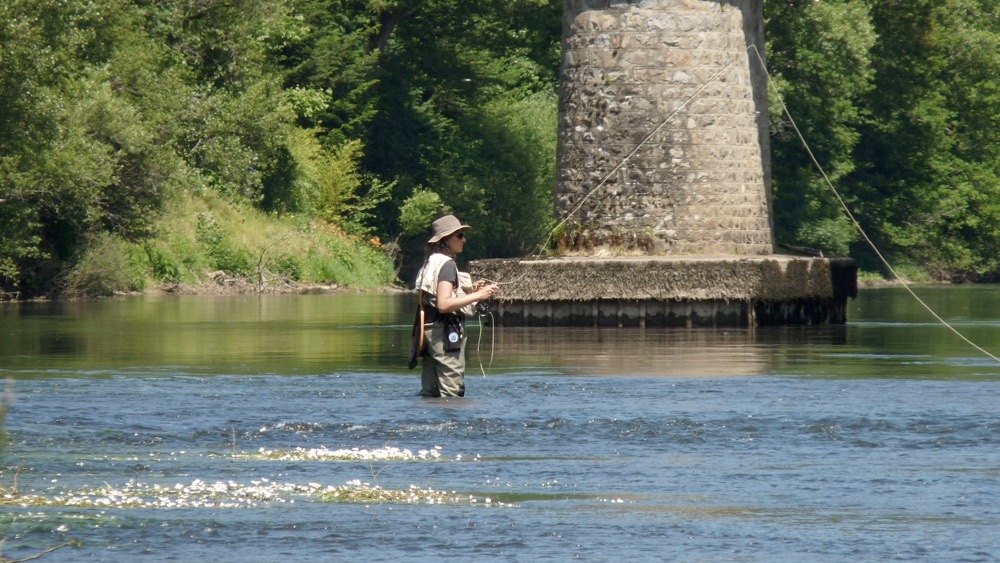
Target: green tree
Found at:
x=930, y=179
x=70, y=141
x=232, y=124
x=111, y=106
x=468, y=111
x=819, y=54
x=455, y=97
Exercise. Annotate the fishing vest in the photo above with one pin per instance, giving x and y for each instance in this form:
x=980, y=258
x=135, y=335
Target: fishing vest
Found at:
x=427, y=281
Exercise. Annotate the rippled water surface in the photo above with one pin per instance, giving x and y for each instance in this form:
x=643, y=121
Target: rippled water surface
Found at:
x=287, y=428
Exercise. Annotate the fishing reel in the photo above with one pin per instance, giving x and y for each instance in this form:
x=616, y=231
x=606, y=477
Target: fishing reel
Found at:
x=482, y=308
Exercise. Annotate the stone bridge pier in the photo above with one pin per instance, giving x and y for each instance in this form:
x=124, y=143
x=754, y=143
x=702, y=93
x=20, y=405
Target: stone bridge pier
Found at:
x=664, y=180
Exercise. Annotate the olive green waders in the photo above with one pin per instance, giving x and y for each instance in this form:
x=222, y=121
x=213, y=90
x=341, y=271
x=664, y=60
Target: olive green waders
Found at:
x=443, y=372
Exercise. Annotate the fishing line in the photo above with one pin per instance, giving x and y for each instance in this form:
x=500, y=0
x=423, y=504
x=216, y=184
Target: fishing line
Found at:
x=479, y=343
x=850, y=215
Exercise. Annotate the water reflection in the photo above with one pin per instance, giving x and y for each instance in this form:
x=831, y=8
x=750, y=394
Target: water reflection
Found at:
x=323, y=334
x=246, y=334
x=661, y=351
x=61, y=343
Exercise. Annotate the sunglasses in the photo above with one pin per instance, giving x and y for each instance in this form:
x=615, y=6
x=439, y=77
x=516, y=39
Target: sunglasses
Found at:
x=460, y=236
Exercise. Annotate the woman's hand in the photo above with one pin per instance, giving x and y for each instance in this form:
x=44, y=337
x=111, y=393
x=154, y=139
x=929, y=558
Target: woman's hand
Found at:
x=485, y=291
x=448, y=304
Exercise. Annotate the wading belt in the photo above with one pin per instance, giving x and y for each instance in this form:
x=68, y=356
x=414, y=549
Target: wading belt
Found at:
x=433, y=316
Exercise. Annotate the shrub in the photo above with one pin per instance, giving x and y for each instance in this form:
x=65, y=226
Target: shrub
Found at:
x=107, y=266
x=162, y=266
x=419, y=210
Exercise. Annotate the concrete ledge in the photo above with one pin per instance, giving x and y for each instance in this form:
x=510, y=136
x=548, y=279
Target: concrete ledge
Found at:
x=671, y=290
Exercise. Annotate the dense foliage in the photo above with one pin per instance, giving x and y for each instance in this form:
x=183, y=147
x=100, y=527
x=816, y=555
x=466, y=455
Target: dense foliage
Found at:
x=360, y=120
x=900, y=102
x=113, y=113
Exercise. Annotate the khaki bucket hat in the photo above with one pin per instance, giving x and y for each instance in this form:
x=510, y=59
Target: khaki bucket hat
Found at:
x=445, y=226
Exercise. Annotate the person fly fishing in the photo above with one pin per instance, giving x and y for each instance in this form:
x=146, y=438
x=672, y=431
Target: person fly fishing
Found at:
x=445, y=296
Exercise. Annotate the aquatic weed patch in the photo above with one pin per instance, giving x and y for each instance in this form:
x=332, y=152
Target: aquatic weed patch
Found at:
x=352, y=454
x=230, y=494
x=362, y=492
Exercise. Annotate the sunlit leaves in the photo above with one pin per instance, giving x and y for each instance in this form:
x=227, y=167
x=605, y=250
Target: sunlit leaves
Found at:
x=900, y=104
x=819, y=55
x=932, y=164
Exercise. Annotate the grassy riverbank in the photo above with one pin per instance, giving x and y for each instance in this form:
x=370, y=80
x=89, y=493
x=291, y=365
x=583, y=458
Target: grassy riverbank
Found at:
x=204, y=242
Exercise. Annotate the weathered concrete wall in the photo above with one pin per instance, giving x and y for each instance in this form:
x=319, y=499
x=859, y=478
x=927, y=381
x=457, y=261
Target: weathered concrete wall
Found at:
x=671, y=290
x=635, y=69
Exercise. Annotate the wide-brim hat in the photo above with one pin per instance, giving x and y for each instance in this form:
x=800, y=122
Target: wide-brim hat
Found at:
x=444, y=226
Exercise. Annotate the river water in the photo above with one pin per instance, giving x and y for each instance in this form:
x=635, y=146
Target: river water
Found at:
x=278, y=428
